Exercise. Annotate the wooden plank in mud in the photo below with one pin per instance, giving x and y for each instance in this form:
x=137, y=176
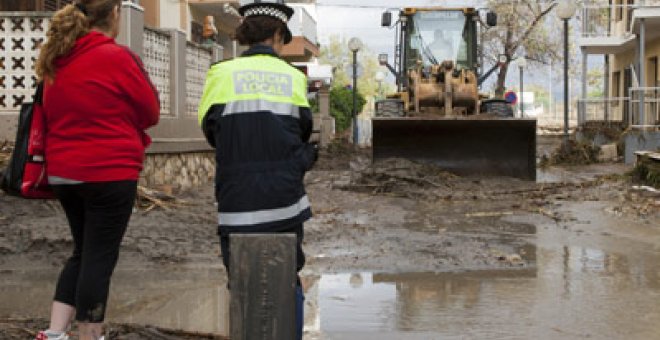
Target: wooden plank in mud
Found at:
x=262, y=279
x=650, y=160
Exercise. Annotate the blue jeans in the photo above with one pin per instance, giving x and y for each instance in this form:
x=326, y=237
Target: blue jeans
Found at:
x=300, y=311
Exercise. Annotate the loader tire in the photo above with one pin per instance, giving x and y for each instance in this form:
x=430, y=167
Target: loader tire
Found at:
x=497, y=107
x=389, y=108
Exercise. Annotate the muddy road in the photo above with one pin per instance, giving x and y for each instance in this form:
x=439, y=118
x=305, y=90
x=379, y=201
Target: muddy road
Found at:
x=395, y=250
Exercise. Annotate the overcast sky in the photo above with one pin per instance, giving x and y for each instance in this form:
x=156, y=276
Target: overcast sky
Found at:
x=347, y=19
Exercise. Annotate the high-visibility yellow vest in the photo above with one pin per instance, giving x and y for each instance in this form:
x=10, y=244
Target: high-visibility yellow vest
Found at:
x=254, y=83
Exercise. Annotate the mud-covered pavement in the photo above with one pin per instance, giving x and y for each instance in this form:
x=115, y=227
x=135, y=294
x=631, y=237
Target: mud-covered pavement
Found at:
x=395, y=250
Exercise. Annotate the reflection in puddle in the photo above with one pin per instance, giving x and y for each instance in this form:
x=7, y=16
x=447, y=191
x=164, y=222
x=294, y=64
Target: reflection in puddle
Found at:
x=575, y=293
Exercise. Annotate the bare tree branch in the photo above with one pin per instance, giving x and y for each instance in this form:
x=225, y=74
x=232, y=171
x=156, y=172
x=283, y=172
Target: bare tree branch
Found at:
x=524, y=26
x=532, y=26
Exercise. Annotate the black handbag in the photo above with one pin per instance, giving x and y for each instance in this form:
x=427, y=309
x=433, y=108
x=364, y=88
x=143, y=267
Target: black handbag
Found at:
x=25, y=175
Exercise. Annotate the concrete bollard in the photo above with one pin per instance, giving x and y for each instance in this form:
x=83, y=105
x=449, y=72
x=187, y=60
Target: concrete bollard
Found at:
x=262, y=281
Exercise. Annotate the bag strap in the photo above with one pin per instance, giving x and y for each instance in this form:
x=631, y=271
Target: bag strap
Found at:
x=39, y=94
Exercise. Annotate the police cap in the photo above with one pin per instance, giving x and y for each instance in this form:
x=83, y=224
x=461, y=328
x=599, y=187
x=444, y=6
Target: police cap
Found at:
x=272, y=8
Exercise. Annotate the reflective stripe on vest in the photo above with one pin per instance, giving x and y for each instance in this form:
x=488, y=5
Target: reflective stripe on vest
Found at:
x=254, y=83
x=263, y=216
x=246, y=106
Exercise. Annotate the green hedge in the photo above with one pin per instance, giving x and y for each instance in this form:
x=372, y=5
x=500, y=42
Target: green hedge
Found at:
x=341, y=106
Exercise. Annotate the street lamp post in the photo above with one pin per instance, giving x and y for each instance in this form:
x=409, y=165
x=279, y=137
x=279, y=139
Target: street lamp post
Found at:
x=380, y=76
x=355, y=45
x=522, y=63
x=565, y=11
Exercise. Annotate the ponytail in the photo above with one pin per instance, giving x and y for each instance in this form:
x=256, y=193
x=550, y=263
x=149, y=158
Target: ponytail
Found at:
x=67, y=25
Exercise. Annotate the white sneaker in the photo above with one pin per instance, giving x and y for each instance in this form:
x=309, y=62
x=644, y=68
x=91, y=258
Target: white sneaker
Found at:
x=50, y=335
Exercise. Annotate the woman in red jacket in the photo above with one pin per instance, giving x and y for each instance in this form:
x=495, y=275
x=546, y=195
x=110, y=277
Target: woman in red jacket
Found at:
x=98, y=101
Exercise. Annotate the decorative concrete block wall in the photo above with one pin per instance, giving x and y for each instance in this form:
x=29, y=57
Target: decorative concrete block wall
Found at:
x=21, y=34
x=180, y=170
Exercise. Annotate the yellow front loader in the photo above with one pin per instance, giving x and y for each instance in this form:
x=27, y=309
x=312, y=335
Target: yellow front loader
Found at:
x=437, y=115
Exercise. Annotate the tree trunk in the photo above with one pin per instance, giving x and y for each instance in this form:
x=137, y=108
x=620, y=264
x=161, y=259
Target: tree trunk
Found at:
x=501, y=79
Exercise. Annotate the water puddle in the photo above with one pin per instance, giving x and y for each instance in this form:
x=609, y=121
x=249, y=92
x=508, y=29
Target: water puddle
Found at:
x=574, y=293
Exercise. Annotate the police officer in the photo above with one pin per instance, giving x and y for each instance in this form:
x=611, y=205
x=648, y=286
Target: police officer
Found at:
x=254, y=111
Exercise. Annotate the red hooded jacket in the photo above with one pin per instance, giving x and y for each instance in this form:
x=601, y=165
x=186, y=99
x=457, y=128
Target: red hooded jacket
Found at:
x=97, y=109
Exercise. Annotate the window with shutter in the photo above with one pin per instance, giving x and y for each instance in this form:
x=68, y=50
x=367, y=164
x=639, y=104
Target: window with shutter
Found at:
x=50, y=5
x=18, y=5
x=54, y=5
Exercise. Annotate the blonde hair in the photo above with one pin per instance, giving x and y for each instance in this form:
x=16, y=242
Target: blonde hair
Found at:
x=67, y=26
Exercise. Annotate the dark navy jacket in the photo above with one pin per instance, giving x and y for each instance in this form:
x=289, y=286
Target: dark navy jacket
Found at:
x=255, y=113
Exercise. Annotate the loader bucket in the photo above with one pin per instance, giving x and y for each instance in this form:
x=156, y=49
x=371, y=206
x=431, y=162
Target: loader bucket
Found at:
x=465, y=146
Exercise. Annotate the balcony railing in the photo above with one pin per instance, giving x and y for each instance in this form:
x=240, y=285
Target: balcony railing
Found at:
x=612, y=109
x=303, y=25
x=647, y=98
x=602, y=20
x=626, y=110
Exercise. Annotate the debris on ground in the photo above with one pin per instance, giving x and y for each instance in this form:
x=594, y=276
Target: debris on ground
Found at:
x=641, y=207
x=27, y=328
x=5, y=152
x=636, y=201
x=404, y=178
x=647, y=169
x=338, y=154
x=512, y=259
x=397, y=177
x=149, y=199
x=489, y=214
x=644, y=189
x=573, y=153
x=607, y=130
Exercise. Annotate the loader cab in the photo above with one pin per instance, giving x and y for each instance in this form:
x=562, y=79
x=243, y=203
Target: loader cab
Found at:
x=437, y=35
